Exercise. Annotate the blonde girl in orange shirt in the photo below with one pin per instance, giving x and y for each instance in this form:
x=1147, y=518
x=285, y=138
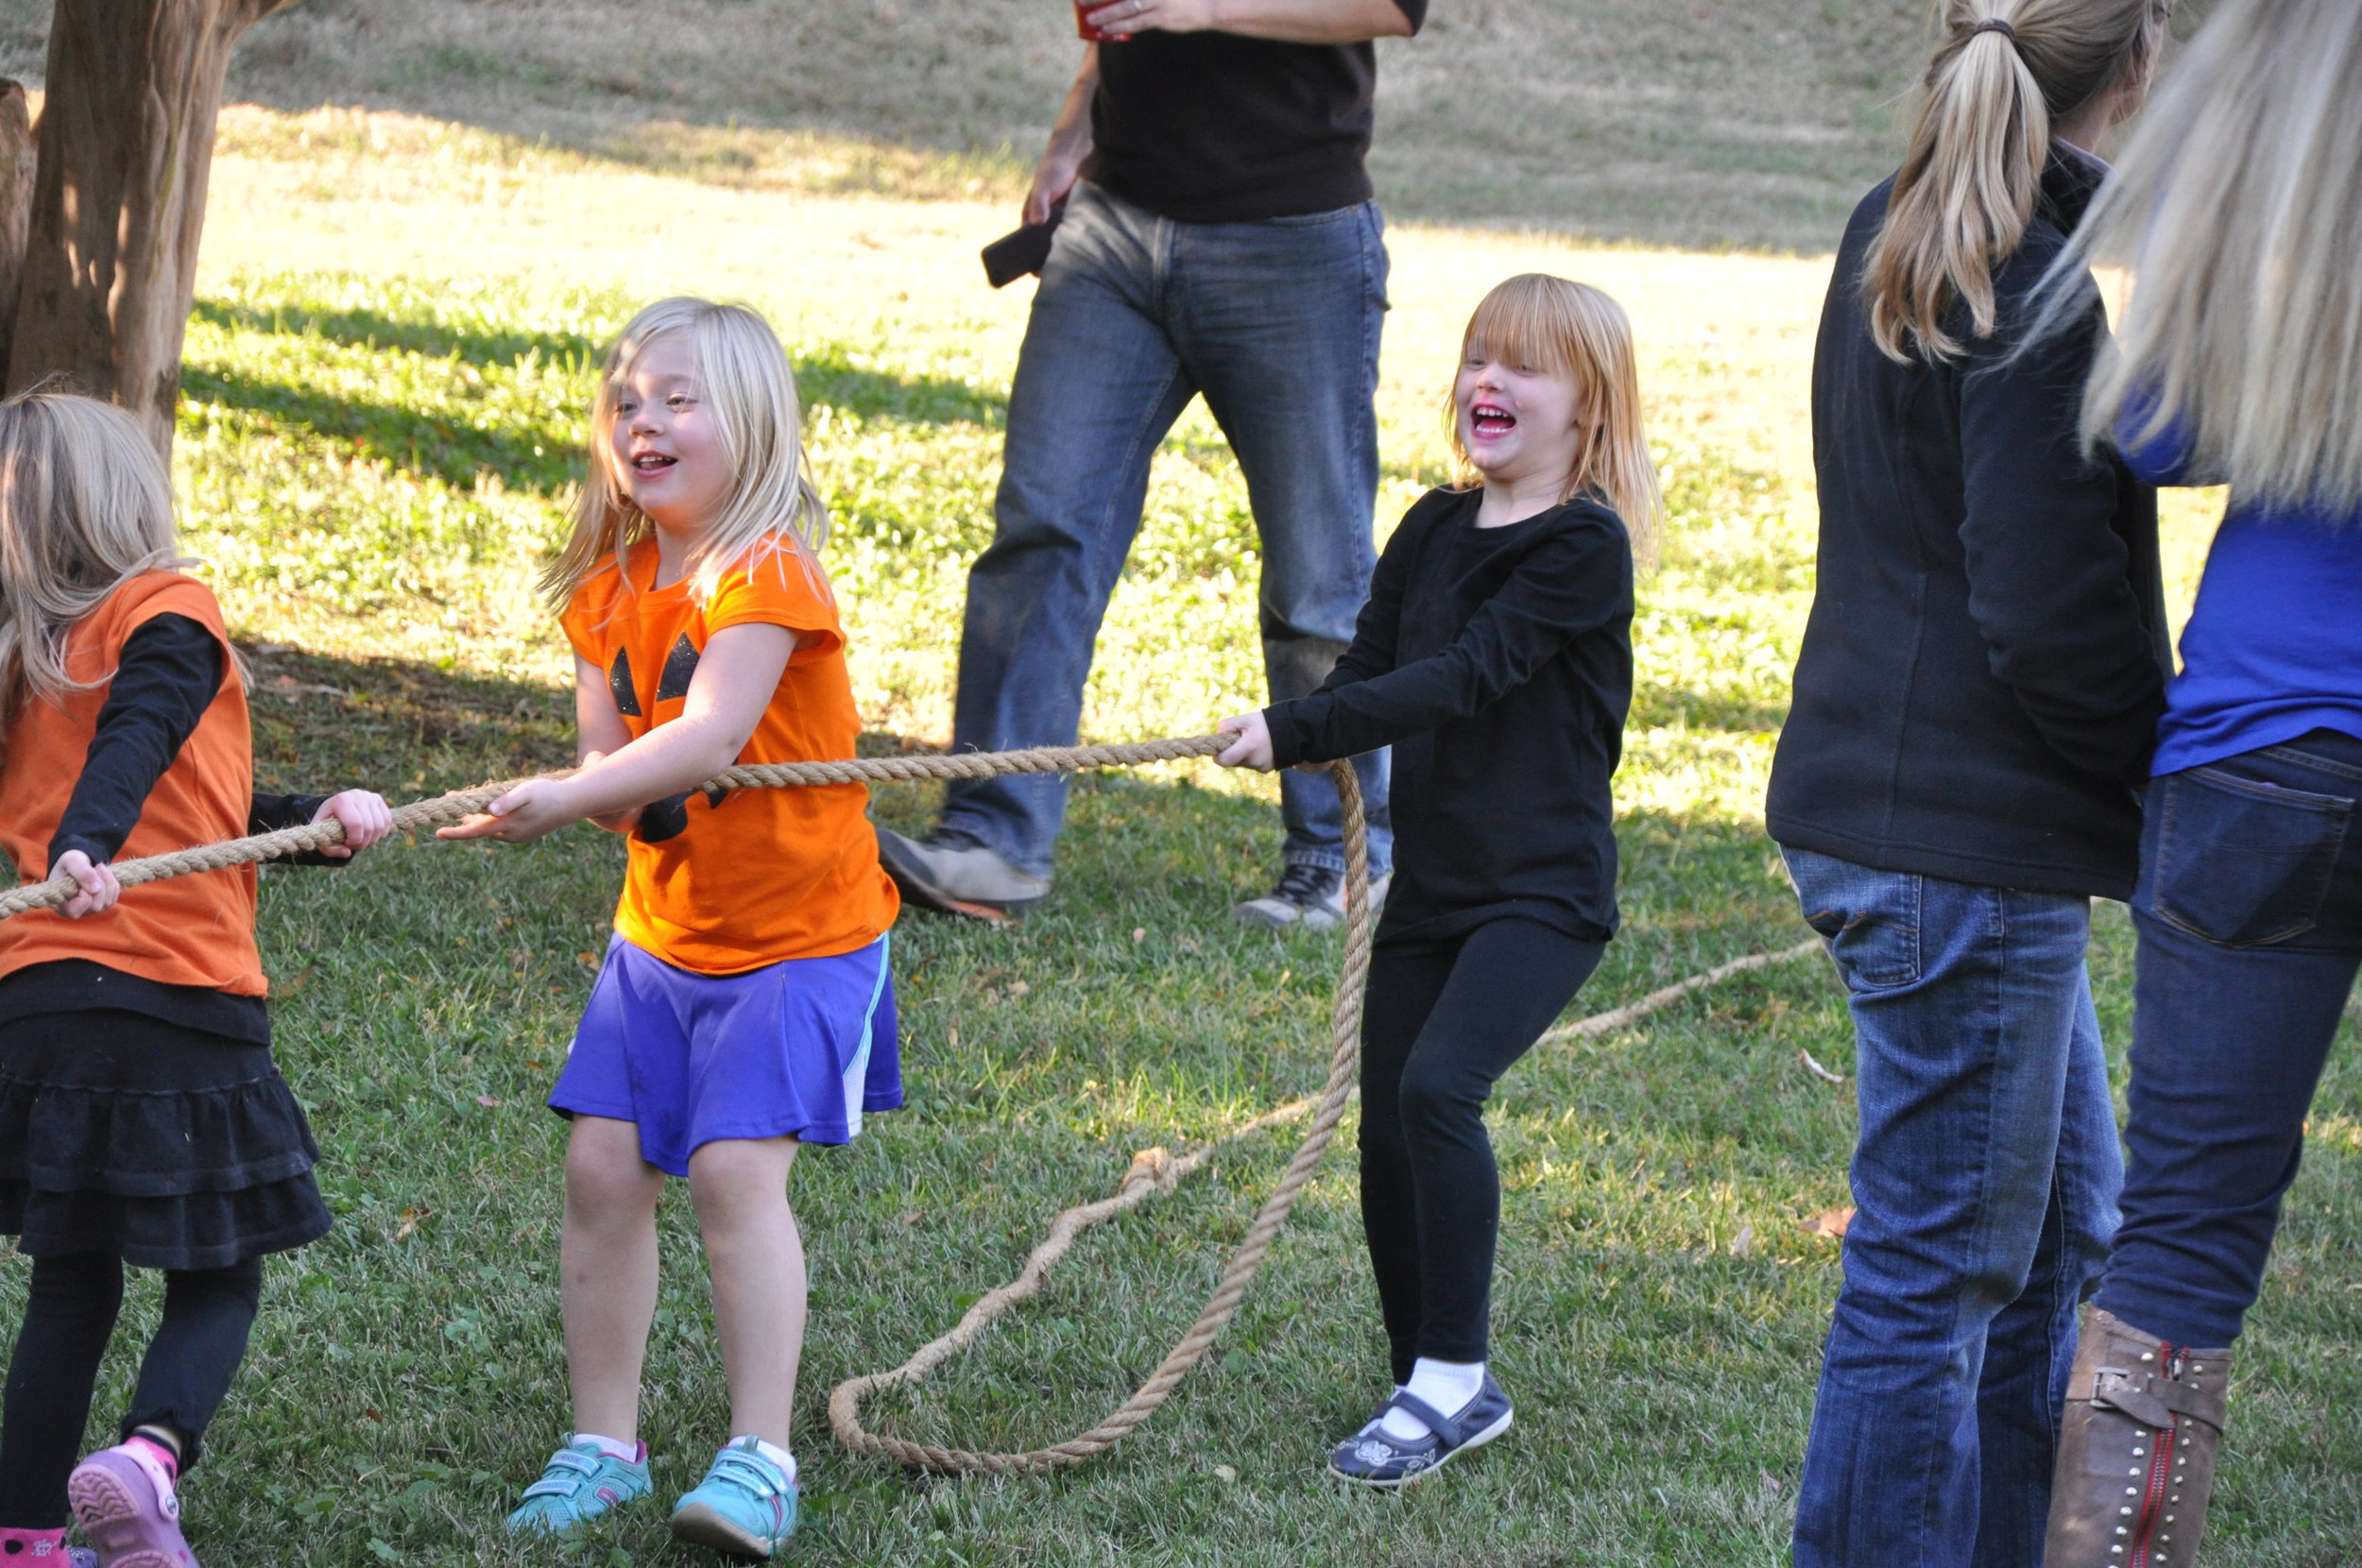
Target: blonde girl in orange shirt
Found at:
x=745, y=1007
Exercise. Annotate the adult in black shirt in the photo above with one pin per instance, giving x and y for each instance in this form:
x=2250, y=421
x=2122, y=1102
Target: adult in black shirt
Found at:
x=1218, y=238
x=1976, y=702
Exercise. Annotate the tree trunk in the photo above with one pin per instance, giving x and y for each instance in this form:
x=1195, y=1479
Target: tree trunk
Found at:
x=125, y=142
x=16, y=200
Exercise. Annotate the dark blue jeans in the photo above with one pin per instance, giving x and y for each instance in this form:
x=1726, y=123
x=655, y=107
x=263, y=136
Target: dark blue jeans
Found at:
x=1985, y=1177
x=2250, y=913
x=1277, y=323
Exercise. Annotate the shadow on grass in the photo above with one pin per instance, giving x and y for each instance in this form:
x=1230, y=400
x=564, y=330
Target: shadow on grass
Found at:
x=827, y=374
x=370, y=329
x=541, y=459
x=539, y=455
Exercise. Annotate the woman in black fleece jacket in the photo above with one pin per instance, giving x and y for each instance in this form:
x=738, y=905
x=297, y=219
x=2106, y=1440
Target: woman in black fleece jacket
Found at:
x=1495, y=655
x=1975, y=706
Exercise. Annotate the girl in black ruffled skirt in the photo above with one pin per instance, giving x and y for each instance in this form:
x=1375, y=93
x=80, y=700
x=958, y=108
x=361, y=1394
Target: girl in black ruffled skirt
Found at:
x=140, y=1118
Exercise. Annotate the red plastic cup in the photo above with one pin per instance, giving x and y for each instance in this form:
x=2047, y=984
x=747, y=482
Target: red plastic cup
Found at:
x=1083, y=30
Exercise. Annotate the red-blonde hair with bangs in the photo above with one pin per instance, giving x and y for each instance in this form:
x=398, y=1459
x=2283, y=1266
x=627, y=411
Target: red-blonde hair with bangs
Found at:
x=1569, y=328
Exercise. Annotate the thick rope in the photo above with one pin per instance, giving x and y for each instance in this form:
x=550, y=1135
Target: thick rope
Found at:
x=1154, y=1171
x=746, y=776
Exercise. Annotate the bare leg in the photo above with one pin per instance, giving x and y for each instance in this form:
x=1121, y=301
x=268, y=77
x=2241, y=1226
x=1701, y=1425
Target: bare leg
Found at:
x=607, y=1261
x=757, y=1256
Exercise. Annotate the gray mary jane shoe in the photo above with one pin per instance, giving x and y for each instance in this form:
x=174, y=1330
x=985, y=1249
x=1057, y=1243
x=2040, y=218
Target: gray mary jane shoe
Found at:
x=1372, y=1458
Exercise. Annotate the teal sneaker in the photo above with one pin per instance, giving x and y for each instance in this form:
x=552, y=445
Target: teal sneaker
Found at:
x=745, y=1506
x=578, y=1485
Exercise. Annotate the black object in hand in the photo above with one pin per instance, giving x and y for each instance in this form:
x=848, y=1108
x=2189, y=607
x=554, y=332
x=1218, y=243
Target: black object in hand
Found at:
x=1014, y=256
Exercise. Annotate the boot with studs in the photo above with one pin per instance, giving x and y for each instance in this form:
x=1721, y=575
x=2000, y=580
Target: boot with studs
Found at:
x=2136, y=1452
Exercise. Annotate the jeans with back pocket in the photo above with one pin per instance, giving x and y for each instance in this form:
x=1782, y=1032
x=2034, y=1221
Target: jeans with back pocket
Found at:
x=2249, y=915
x=1277, y=325
x=1985, y=1177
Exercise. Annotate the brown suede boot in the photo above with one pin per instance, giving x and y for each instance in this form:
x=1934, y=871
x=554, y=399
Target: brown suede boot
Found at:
x=2136, y=1452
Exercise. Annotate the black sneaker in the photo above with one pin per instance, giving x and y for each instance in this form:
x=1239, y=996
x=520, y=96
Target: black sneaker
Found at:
x=1308, y=896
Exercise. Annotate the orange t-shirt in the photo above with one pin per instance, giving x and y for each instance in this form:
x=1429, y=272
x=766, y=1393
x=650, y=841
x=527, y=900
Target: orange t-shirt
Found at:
x=184, y=930
x=728, y=882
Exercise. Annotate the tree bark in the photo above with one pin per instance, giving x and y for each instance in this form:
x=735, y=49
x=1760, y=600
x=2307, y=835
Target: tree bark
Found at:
x=125, y=143
x=16, y=201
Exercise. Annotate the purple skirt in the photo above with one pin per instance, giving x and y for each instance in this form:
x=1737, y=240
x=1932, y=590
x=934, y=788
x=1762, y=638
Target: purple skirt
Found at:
x=800, y=1049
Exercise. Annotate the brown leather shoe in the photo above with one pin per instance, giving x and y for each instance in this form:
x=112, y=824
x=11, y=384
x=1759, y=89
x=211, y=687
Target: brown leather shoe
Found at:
x=2136, y=1452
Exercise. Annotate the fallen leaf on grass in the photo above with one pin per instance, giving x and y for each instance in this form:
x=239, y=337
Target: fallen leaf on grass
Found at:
x=1743, y=1244
x=1139, y=933
x=1806, y=1059
x=411, y=1220
x=1224, y=1472
x=1829, y=1224
x=490, y=1102
x=1019, y=988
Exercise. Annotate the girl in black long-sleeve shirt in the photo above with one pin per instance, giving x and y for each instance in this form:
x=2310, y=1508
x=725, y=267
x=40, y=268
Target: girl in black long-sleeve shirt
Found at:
x=1495, y=655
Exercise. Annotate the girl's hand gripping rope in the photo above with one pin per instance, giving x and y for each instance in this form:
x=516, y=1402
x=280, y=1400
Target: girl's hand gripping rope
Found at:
x=533, y=810
x=1253, y=749
x=365, y=816
x=99, y=888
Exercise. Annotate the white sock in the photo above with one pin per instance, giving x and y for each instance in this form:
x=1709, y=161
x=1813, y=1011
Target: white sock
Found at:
x=613, y=1448
x=1448, y=1386
x=770, y=1450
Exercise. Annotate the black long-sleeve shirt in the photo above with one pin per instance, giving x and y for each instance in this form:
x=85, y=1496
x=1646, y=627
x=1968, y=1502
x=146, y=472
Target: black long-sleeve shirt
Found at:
x=1498, y=663
x=169, y=673
x=1982, y=677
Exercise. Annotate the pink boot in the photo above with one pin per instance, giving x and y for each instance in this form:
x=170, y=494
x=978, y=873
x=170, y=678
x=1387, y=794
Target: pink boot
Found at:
x=43, y=1549
x=124, y=1496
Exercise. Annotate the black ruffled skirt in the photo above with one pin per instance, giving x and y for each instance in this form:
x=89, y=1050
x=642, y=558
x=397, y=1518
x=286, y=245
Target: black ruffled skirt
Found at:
x=169, y=1146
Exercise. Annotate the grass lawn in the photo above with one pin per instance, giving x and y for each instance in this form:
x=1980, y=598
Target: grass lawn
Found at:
x=385, y=374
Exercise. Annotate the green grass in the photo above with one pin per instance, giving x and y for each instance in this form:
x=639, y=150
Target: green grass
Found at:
x=384, y=379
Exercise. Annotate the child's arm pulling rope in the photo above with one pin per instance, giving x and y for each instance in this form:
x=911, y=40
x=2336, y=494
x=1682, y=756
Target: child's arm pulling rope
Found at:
x=746, y=776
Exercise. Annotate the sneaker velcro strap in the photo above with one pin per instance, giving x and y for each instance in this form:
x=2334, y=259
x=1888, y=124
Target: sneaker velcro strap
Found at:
x=759, y=1476
x=1445, y=1429
x=555, y=1486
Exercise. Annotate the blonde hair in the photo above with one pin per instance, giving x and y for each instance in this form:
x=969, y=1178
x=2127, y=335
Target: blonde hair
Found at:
x=1973, y=170
x=745, y=379
x=1576, y=330
x=2235, y=206
x=84, y=506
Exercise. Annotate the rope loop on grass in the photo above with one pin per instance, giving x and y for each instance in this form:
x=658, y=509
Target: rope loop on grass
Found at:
x=1153, y=1171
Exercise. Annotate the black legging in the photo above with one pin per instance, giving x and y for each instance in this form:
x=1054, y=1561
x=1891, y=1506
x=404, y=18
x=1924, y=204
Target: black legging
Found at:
x=69, y=1315
x=1444, y=1021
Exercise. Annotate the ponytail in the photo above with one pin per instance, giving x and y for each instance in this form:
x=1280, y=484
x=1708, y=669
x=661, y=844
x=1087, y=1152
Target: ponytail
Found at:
x=2006, y=71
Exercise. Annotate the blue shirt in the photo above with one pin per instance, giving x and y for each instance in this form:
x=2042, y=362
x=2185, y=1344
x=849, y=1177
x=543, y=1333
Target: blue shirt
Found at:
x=2273, y=648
